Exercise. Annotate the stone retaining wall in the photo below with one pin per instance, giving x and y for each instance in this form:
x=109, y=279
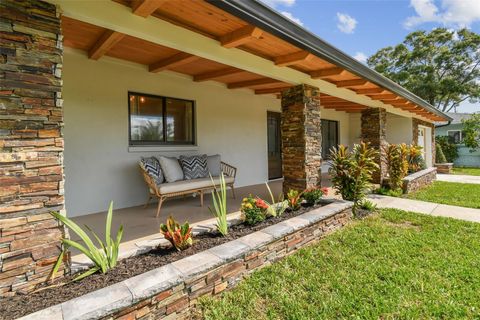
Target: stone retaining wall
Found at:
x=419, y=180
x=171, y=291
x=31, y=142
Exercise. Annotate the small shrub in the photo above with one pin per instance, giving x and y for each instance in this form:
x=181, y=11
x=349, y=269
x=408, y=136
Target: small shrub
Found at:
x=351, y=172
x=313, y=195
x=219, y=209
x=415, y=159
x=389, y=192
x=448, y=147
x=104, y=258
x=396, y=160
x=180, y=236
x=366, y=204
x=276, y=208
x=253, y=210
x=294, y=199
x=439, y=155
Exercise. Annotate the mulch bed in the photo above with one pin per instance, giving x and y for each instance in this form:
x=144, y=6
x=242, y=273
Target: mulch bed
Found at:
x=20, y=305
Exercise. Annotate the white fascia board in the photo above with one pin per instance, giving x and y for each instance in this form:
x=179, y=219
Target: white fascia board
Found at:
x=117, y=17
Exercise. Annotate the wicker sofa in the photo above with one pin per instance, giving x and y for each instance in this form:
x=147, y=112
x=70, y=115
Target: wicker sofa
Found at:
x=166, y=190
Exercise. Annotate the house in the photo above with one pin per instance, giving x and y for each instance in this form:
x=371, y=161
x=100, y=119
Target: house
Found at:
x=454, y=129
x=233, y=78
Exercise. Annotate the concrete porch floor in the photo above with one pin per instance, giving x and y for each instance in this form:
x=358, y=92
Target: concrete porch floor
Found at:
x=140, y=222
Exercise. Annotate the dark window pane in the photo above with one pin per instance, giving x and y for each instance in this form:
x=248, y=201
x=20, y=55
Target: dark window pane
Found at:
x=146, y=118
x=179, y=115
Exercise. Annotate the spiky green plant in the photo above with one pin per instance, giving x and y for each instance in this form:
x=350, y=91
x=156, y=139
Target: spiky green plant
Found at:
x=396, y=160
x=103, y=258
x=276, y=208
x=219, y=209
x=180, y=236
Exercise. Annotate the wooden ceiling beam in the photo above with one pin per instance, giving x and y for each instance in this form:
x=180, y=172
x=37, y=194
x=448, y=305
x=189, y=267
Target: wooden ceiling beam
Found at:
x=325, y=73
x=271, y=90
x=383, y=96
x=144, y=8
x=106, y=41
x=172, y=61
x=371, y=91
x=216, y=74
x=351, y=83
x=292, y=58
x=252, y=83
x=240, y=36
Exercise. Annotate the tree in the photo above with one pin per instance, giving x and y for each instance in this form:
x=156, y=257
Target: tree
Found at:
x=442, y=67
x=471, y=132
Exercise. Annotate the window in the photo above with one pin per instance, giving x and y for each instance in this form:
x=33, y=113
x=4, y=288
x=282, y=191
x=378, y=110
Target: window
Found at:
x=155, y=120
x=329, y=136
x=455, y=135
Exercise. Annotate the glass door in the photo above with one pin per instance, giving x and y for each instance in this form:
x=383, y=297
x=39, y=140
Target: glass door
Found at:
x=274, y=145
x=329, y=136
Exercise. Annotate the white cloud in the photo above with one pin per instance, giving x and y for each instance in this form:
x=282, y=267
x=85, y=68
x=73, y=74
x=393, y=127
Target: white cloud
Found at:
x=346, y=23
x=453, y=13
x=275, y=3
x=291, y=17
x=360, y=56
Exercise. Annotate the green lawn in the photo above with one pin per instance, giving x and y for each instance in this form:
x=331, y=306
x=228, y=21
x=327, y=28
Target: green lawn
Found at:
x=467, y=171
x=456, y=194
x=393, y=265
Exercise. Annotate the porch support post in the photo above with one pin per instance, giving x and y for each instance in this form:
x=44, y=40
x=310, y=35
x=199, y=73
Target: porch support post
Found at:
x=373, y=125
x=301, y=138
x=417, y=122
x=31, y=144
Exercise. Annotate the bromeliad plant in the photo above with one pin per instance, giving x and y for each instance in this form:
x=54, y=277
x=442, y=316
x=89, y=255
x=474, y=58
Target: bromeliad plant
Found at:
x=253, y=210
x=276, y=208
x=415, y=158
x=313, y=195
x=219, y=209
x=294, y=199
x=103, y=258
x=180, y=236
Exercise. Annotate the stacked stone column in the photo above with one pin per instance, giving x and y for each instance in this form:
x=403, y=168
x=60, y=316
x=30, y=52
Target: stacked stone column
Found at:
x=373, y=125
x=301, y=138
x=31, y=143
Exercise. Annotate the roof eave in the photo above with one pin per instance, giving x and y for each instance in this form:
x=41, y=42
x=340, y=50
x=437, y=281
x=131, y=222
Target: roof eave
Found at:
x=273, y=22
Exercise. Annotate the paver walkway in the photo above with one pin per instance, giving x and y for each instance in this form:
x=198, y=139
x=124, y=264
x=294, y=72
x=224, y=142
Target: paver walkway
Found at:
x=460, y=178
x=431, y=208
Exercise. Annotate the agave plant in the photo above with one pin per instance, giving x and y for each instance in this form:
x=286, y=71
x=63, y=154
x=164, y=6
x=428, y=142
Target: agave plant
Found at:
x=180, y=236
x=103, y=258
x=219, y=209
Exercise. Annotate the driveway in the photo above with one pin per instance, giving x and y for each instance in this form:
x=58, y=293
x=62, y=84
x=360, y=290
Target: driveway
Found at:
x=460, y=178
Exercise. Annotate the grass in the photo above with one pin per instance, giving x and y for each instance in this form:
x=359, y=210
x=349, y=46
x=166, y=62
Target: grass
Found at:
x=393, y=265
x=456, y=194
x=467, y=171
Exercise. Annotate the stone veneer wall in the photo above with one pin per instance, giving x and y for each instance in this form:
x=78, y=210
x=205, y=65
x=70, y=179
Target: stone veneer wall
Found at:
x=373, y=126
x=418, y=122
x=301, y=138
x=31, y=142
x=419, y=180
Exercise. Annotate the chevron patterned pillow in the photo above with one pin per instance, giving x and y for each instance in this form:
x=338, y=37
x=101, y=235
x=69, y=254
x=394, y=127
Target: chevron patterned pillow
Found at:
x=152, y=167
x=194, y=167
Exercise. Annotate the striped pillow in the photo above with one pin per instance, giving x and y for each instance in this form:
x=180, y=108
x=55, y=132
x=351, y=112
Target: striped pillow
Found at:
x=194, y=167
x=153, y=169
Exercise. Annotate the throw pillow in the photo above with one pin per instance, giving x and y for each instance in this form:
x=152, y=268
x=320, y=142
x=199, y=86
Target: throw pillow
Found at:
x=152, y=168
x=194, y=167
x=171, y=169
x=213, y=164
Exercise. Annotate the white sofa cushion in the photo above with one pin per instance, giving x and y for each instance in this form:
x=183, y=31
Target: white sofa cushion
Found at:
x=193, y=184
x=213, y=165
x=171, y=169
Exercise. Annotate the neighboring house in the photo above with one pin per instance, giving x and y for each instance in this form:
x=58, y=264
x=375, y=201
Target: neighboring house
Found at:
x=454, y=129
x=89, y=87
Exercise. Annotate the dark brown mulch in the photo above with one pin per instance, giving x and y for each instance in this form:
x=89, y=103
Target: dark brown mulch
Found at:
x=20, y=305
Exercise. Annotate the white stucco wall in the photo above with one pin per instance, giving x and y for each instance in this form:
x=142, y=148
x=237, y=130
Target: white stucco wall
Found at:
x=399, y=129
x=98, y=164
x=343, y=123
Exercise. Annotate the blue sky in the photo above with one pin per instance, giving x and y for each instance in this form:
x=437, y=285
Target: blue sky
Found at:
x=361, y=27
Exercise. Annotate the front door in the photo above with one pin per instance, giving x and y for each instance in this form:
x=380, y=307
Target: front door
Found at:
x=421, y=141
x=274, y=145
x=329, y=136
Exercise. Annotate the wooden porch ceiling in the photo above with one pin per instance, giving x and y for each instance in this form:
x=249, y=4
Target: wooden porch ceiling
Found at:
x=230, y=31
